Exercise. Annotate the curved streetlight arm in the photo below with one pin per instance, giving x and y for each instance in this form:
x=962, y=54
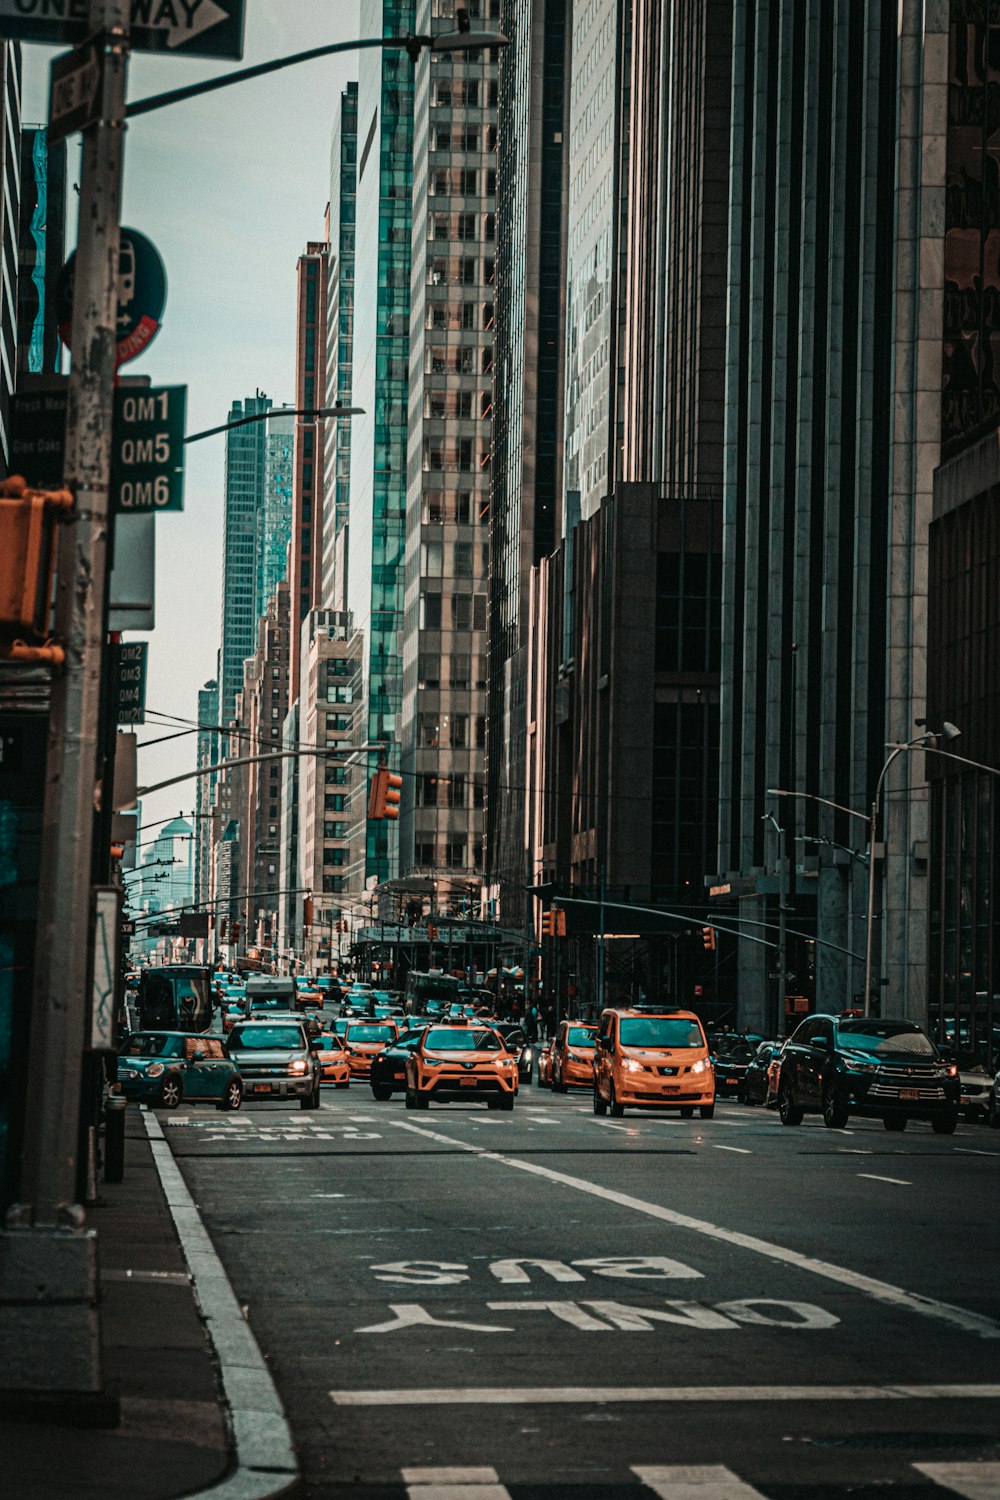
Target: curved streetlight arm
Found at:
x=777, y=791
x=950, y=755
x=314, y=413
x=249, y=760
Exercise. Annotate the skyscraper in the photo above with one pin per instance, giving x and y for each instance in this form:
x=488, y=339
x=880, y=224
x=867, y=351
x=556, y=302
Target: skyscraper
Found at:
x=339, y=348
x=10, y=180
x=529, y=357
x=246, y=453
x=208, y=755
x=306, y=554
x=377, y=502
x=274, y=514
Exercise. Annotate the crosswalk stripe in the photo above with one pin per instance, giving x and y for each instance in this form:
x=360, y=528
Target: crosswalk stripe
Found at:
x=454, y=1484
x=694, y=1482
x=973, y=1481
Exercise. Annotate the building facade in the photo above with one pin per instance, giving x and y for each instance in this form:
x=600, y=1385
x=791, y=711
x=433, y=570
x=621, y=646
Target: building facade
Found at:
x=528, y=383
x=10, y=174
x=208, y=755
x=246, y=459
x=339, y=349
x=41, y=252
x=305, y=559
x=275, y=512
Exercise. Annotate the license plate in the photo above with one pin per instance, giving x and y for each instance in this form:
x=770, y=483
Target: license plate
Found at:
x=909, y=1093
x=732, y=1080
x=399, y=1075
x=671, y=1088
x=467, y=1083
x=262, y=1088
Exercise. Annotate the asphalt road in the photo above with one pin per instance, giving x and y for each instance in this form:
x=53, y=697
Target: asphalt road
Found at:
x=547, y=1305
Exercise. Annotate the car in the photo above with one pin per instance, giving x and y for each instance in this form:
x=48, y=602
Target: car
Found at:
x=753, y=1087
x=276, y=1061
x=234, y=1011
x=308, y=995
x=331, y=1054
x=993, y=1104
x=572, y=1056
x=387, y=1075
x=652, y=1058
x=457, y=1061
x=516, y=1040
x=163, y=1068
x=545, y=1064
x=363, y=1039
x=885, y=1068
x=732, y=1054
x=975, y=1086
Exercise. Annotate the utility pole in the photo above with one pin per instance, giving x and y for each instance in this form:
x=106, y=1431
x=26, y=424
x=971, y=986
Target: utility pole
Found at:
x=48, y=1256
x=600, y=946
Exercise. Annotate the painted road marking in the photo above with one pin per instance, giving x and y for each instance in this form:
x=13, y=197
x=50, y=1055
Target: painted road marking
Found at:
x=454, y=1484
x=971, y=1151
x=590, y=1395
x=874, y=1177
x=974, y=1481
x=760, y=1312
x=694, y=1482
x=868, y=1286
x=741, y=1150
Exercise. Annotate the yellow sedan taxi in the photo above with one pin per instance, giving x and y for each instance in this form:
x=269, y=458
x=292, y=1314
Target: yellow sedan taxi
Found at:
x=465, y=1061
x=331, y=1054
x=362, y=1040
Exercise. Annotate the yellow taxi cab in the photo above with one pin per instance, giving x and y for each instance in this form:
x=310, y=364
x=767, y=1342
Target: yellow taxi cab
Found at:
x=572, y=1059
x=461, y=1061
x=545, y=1064
x=331, y=1054
x=363, y=1039
x=652, y=1058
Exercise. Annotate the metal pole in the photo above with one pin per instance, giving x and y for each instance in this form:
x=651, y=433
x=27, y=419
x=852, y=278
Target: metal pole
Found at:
x=782, y=934
x=872, y=826
x=600, y=946
x=49, y=1257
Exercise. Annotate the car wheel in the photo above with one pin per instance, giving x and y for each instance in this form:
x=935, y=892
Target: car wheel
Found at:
x=790, y=1112
x=558, y=1087
x=310, y=1101
x=409, y=1100
x=421, y=1101
x=894, y=1122
x=741, y=1094
x=171, y=1092
x=381, y=1094
x=945, y=1124
x=615, y=1110
x=707, y=1111
x=527, y=1080
x=687, y=1112
x=600, y=1107
x=994, y=1115
x=345, y=1085
x=233, y=1096
x=493, y=1104
x=835, y=1111
x=507, y=1103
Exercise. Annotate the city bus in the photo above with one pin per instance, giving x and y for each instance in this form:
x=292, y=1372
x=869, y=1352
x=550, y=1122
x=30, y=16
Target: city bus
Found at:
x=175, y=997
x=432, y=993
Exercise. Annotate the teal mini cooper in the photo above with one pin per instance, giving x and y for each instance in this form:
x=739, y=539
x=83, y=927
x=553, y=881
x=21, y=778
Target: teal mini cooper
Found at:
x=163, y=1067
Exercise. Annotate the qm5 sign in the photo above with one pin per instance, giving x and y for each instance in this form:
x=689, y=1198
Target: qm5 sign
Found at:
x=142, y=296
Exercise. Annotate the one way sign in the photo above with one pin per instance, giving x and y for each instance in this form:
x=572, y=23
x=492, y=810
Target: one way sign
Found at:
x=75, y=95
x=194, y=28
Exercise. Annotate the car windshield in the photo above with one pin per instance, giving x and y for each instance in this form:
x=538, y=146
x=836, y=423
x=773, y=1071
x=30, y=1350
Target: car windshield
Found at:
x=272, y=1002
x=734, y=1048
x=660, y=1031
x=886, y=1038
x=370, y=1033
x=326, y=1041
x=460, y=1039
x=154, y=1044
x=340, y=1025
x=262, y=1038
x=581, y=1036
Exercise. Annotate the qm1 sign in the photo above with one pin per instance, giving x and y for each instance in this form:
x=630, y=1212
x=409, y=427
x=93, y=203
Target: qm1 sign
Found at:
x=147, y=463
x=188, y=28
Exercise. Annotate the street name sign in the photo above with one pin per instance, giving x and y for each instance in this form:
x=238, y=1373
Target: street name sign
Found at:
x=75, y=89
x=187, y=28
x=147, y=464
x=128, y=681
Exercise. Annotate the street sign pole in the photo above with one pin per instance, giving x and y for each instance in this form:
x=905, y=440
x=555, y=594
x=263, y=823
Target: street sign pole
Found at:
x=48, y=1259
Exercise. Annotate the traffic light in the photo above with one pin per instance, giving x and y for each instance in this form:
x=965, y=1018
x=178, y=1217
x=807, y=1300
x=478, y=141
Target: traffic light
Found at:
x=307, y=912
x=548, y=924
x=383, y=798
x=708, y=939
x=560, y=917
x=234, y=935
x=432, y=933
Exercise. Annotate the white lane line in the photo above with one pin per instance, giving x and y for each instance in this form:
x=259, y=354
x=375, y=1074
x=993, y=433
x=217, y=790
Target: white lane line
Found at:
x=694, y=1482
x=609, y=1125
x=454, y=1484
x=971, y=1151
x=974, y=1481
x=868, y=1286
x=589, y=1395
x=742, y=1150
x=875, y=1177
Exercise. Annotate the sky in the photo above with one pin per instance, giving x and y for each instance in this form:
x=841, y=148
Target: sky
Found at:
x=229, y=188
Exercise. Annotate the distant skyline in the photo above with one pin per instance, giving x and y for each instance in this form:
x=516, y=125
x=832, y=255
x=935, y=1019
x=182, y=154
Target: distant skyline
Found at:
x=229, y=188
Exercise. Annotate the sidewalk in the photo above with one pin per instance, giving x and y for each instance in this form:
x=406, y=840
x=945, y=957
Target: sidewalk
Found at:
x=174, y=1435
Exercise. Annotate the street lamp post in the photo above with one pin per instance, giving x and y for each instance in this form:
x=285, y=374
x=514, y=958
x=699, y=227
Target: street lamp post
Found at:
x=775, y=1018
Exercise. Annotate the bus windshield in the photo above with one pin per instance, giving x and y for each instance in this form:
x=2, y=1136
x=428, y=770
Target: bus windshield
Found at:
x=175, y=999
x=431, y=994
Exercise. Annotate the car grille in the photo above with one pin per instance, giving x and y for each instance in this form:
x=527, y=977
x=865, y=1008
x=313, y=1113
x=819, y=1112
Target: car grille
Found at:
x=890, y=1078
x=264, y=1070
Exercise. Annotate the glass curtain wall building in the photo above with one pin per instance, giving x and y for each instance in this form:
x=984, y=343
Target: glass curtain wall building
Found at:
x=274, y=514
x=339, y=348
x=377, y=505
x=246, y=454
x=208, y=755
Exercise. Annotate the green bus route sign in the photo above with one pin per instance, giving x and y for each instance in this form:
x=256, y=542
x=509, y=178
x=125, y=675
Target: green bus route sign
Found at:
x=185, y=28
x=147, y=450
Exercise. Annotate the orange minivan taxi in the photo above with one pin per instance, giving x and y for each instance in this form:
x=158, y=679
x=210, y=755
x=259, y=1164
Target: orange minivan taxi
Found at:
x=363, y=1039
x=648, y=1059
x=331, y=1054
x=461, y=1062
x=573, y=1051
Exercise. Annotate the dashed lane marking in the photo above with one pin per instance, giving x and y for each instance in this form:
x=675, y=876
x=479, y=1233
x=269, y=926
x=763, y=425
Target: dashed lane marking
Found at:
x=742, y=1150
x=875, y=1177
x=694, y=1482
x=591, y=1395
x=883, y=1292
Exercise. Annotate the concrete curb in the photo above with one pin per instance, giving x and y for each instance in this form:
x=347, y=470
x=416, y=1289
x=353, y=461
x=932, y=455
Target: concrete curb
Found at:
x=266, y=1465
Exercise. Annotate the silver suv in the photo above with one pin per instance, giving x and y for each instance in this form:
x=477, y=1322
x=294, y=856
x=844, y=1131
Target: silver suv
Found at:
x=276, y=1061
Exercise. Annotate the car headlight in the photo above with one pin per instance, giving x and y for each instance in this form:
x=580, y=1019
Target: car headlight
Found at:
x=154, y=1070
x=298, y=1066
x=631, y=1066
x=701, y=1066
x=527, y=1055
x=433, y=1062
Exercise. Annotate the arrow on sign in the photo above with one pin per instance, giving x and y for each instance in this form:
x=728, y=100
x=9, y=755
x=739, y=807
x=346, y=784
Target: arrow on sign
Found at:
x=182, y=20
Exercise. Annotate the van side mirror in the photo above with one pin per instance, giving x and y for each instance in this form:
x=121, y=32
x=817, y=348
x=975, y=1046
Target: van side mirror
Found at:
x=822, y=1042
x=606, y=1043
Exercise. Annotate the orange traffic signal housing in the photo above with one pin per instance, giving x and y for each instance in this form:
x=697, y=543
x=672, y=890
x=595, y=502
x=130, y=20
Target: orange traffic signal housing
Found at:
x=383, y=798
x=708, y=939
